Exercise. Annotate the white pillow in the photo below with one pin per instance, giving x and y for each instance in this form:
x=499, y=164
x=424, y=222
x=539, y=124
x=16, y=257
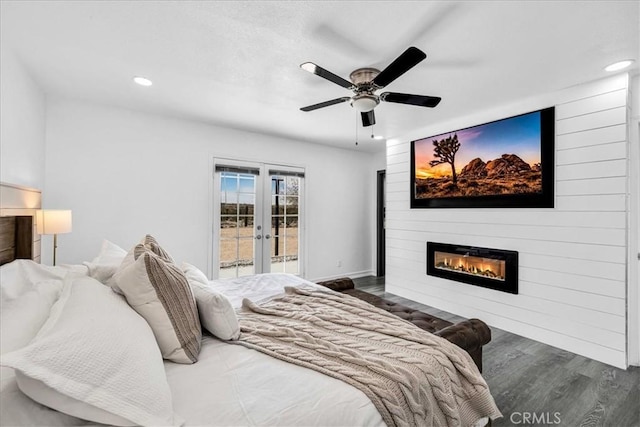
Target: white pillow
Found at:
x=215, y=310
x=49, y=397
x=110, y=253
x=160, y=292
x=20, y=410
x=96, y=359
x=105, y=265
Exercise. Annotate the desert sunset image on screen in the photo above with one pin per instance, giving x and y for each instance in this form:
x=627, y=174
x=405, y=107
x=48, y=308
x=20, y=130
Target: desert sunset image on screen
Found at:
x=497, y=158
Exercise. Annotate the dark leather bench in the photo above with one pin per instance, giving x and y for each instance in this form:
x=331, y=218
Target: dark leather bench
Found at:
x=470, y=335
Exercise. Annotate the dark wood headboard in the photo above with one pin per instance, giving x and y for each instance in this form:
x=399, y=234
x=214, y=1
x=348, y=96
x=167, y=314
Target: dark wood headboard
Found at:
x=18, y=237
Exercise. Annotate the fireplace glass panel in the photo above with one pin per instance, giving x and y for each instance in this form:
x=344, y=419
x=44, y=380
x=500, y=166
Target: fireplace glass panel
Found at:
x=489, y=268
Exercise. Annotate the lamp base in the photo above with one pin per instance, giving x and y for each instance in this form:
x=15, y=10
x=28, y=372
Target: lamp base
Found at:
x=55, y=247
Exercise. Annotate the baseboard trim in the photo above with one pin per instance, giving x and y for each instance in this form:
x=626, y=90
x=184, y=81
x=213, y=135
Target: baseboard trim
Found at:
x=352, y=275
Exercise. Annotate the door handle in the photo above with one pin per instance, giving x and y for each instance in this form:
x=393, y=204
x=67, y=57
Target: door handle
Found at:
x=258, y=237
x=267, y=236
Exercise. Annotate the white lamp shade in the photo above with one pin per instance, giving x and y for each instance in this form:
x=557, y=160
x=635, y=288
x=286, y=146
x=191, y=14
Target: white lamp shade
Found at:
x=53, y=221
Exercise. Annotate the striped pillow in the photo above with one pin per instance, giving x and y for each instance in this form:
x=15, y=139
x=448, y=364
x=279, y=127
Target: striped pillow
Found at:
x=150, y=242
x=159, y=291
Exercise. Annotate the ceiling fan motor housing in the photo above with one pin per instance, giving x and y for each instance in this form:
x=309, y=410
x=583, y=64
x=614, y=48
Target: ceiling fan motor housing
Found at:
x=364, y=100
x=363, y=75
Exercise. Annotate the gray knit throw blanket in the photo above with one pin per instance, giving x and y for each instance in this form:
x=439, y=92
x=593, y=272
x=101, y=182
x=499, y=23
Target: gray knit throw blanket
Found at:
x=413, y=377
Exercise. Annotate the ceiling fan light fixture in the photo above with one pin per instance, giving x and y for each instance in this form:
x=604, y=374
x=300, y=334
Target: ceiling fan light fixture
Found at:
x=364, y=102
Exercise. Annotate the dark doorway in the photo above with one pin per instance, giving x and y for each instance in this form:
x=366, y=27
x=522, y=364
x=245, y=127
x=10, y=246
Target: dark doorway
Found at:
x=380, y=220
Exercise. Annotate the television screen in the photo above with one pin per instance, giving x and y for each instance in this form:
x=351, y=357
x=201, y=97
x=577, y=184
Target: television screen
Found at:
x=505, y=163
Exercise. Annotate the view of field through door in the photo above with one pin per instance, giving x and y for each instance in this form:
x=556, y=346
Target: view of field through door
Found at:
x=257, y=219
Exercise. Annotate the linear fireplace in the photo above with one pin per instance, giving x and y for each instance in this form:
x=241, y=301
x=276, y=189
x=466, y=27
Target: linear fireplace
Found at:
x=490, y=268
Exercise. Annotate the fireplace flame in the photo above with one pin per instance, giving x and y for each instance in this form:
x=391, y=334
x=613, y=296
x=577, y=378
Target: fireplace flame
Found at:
x=467, y=264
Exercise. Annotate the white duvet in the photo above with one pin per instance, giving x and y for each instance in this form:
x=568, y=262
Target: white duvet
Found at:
x=238, y=386
x=259, y=287
x=234, y=386
x=230, y=385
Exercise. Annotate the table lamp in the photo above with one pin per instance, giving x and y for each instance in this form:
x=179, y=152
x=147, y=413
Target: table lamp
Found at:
x=54, y=222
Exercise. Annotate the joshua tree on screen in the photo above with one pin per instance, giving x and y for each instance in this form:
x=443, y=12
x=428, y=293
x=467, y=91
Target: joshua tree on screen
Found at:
x=444, y=151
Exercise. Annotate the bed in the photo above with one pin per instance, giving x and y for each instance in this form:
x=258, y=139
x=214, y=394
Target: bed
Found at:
x=242, y=387
x=83, y=345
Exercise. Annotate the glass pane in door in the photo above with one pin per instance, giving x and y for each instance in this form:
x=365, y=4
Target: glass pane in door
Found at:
x=284, y=224
x=237, y=216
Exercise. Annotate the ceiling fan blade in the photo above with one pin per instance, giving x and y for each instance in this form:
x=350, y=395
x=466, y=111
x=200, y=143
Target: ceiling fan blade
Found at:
x=368, y=118
x=429, y=24
x=399, y=66
x=405, y=98
x=319, y=71
x=325, y=104
x=349, y=47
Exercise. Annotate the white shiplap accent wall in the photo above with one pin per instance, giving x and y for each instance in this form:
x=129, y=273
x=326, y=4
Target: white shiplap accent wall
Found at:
x=572, y=258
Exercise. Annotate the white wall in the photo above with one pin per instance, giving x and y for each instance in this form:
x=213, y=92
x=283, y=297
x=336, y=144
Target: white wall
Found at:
x=125, y=173
x=22, y=114
x=573, y=258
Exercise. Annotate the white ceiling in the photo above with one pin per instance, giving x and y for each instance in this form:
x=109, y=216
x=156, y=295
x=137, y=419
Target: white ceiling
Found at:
x=237, y=63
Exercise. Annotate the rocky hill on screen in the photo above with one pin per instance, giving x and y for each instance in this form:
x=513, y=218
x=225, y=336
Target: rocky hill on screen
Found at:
x=508, y=174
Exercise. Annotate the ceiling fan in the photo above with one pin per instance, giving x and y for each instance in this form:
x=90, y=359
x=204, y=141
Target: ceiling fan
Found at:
x=366, y=81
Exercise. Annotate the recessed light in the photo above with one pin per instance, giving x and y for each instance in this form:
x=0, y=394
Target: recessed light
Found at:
x=619, y=65
x=378, y=137
x=142, y=81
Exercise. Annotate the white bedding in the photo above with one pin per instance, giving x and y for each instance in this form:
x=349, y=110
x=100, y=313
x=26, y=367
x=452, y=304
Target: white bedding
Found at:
x=241, y=387
x=259, y=287
x=230, y=385
x=20, y=281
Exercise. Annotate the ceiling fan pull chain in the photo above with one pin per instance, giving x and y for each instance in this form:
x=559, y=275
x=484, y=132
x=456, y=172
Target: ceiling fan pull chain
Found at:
x=356, y=129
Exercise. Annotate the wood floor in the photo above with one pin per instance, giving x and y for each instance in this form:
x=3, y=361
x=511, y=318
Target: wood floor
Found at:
x=536, y=384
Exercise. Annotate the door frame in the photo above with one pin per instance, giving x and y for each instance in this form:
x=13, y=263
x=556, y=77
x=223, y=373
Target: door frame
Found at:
x=214, y=247
x=261, y=194
x=380, y=219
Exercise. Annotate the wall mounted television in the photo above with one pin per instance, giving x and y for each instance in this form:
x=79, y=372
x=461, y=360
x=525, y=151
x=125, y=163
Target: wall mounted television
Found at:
x=507, y=163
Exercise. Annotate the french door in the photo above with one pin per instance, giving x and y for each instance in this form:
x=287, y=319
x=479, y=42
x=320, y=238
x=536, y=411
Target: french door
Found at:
x=258, y=219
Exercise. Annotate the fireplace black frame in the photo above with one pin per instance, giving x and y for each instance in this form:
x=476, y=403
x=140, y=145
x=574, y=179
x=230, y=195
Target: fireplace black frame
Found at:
x=510, y=283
